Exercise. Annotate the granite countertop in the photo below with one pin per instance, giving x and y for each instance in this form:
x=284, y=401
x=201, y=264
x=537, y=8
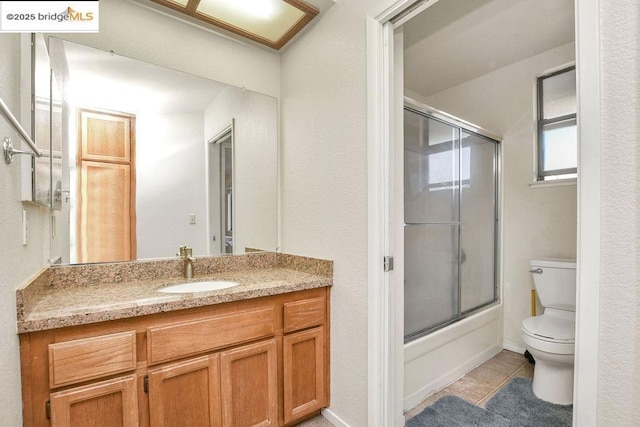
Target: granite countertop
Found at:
x=76, y=295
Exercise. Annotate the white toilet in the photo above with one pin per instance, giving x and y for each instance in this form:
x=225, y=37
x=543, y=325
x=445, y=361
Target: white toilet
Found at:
x=550, y=338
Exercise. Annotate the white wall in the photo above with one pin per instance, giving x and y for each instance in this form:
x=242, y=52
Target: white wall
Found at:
x=619, y=331
x=166, y=143
x=324, y=182
x=255, y=163
x=17, y=262
x=130, y=29
x=536, y=222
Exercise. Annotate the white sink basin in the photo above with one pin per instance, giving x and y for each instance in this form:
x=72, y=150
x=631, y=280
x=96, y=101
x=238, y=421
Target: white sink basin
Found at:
x=183, y=288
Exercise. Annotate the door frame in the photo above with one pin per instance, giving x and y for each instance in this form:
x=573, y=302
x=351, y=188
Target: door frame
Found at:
x=230, y=129
x=385, y=344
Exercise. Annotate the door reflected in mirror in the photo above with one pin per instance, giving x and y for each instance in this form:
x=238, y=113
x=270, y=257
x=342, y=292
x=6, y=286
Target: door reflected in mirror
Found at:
x=221, y=190
x=155, y=159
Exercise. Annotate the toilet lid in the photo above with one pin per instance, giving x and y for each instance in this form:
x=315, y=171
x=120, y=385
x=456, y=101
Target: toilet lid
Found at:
x=550, y=327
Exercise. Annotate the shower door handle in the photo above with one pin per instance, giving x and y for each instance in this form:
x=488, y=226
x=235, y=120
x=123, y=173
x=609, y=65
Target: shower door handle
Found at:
x=536, y=271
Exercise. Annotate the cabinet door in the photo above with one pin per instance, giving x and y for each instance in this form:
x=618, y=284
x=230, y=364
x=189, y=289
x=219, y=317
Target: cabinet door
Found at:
x=111, y=403
x=249, y=385
x=304, y=373
x=185, y=393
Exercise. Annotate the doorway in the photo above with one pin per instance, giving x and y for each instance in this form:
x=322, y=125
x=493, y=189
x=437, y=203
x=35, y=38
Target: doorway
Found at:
x=221, y=195
x=384, y=102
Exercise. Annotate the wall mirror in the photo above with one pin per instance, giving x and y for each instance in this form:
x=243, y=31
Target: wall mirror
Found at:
x=153, y=159
x=45, y=125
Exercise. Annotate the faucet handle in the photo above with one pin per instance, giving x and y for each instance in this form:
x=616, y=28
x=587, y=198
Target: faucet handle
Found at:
x=188, y=252
x=182, y=251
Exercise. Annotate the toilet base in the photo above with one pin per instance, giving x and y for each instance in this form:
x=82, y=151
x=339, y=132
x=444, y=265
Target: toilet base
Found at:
x=553, y=382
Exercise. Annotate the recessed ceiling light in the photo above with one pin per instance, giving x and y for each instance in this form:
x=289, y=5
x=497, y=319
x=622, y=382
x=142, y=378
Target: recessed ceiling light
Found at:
x=270, y=22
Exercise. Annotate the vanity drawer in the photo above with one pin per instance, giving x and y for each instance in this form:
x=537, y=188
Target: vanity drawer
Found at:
x=304, y=314
x=182, y=339
x=89, y=358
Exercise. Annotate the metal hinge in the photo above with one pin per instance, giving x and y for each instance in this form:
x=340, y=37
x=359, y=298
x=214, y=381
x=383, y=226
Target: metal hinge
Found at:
x=388, y=263
x=47, y=409
x=145, y=384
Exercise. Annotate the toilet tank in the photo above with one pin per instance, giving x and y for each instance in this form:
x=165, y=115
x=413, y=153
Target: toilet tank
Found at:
x=555, y=282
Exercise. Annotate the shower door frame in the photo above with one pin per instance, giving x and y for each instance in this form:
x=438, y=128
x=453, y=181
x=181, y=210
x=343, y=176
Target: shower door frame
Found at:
x=464, y=126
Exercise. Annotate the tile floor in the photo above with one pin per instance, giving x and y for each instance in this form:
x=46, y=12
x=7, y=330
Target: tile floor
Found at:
x=482, y=383
x=477, y=387
x=318, y=421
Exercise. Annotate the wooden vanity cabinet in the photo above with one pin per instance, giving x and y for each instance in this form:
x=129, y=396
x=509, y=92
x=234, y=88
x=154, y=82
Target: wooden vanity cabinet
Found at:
x=106, y=403
x=185, y=393
x=250, y=385
x=232, y=388
x=256, y=362
x=304, y=355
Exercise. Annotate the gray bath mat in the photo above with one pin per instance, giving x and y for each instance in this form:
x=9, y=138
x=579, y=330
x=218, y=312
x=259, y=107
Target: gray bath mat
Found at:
x=514, y=405
x=451, y=411
x=516, y=401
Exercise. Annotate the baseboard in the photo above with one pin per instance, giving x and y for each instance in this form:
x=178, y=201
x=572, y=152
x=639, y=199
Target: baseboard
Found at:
x=333, y=418
x=512, y=347
x=449, y=377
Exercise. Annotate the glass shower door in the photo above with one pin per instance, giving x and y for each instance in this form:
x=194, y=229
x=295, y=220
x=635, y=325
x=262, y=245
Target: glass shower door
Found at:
x=450, y=231
x=478, y=222
x=431, y=216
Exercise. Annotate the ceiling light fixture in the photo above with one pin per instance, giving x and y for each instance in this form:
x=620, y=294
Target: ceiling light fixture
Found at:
x=269, y=22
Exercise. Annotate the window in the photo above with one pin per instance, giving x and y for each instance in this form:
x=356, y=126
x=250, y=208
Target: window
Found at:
x=440, y=169
x=557, y=128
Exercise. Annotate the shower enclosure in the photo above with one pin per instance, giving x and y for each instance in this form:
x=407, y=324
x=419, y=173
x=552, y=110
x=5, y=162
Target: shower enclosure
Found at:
x=450, y=219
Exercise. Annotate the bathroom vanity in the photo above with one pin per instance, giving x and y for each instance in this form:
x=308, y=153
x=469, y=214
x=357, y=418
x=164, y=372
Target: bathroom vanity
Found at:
x=253, y=354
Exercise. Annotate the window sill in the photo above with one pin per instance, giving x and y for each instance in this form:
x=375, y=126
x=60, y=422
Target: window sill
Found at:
x=553, y=183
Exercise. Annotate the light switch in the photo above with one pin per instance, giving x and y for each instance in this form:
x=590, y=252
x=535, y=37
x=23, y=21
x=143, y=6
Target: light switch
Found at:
x=192, y=218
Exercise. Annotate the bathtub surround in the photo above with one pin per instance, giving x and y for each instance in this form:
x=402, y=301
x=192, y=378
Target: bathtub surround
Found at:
x=455, y=350
x=449, y=224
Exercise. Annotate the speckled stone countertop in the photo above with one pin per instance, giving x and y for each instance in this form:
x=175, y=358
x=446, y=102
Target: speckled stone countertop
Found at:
x=60, y=296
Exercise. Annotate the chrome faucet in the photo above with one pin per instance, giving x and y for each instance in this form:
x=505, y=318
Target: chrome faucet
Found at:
x=188, y=263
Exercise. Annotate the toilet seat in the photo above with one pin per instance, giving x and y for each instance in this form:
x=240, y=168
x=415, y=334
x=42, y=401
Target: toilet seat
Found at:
x=553, y=332
x=551, y=327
